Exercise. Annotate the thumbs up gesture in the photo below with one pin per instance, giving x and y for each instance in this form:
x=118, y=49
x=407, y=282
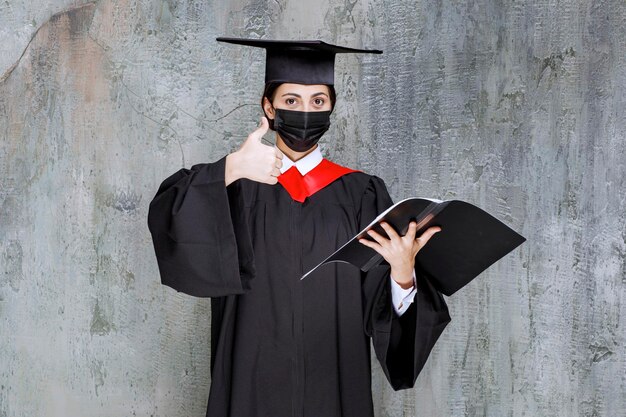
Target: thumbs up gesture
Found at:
x=254, y=160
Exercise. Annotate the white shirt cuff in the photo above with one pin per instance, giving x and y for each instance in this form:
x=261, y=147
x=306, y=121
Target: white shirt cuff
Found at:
x=402, y=298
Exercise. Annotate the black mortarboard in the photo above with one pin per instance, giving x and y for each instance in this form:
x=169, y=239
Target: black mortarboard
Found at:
x=300, y=62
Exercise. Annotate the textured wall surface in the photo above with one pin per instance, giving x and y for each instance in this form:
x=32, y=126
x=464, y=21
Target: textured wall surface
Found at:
x=517, y=106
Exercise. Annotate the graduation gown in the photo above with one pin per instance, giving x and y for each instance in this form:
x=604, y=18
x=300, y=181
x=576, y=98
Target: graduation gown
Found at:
x=281, y=346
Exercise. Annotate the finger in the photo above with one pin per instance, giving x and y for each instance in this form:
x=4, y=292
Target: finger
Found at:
x=380, y=239
x=278, y=163
x=278, y=152
x=370, y=244
x=275, y=172
x=425, y=237
x=390, y=231
x=410, y=234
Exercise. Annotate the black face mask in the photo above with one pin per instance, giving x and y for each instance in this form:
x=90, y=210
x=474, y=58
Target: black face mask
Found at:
x=301, y=130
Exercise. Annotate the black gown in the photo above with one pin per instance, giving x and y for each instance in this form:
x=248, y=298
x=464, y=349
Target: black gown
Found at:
x=282, y=347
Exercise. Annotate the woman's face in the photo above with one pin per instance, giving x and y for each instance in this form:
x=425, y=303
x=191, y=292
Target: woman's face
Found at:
x=299, y=97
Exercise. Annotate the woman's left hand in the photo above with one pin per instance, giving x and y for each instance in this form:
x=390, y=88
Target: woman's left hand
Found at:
x=399, y=251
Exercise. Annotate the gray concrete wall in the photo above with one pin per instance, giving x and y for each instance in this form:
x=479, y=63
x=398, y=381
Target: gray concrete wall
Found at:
x=517, y=106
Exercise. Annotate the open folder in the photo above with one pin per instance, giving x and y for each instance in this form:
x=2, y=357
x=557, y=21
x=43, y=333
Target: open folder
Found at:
x=469, y=242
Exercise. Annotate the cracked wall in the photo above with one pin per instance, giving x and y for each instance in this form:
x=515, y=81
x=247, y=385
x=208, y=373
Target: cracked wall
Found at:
x=515, y=106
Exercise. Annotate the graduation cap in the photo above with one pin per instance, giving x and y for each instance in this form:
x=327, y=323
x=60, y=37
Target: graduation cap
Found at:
x=300, y=62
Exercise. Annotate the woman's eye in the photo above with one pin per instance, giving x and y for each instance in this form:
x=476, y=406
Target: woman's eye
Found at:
x=290, y=101
x=319, y=102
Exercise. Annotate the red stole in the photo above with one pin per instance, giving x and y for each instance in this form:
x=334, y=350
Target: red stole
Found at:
x=300, y=187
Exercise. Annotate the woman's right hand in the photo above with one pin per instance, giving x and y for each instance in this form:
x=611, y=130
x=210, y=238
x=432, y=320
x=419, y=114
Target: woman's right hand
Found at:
x=254, y=160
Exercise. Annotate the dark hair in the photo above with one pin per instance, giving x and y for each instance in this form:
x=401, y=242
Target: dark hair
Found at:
x=270, y=91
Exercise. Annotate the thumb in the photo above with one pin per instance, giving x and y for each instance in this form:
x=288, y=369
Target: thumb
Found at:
x=260, y=131
x=425, y=237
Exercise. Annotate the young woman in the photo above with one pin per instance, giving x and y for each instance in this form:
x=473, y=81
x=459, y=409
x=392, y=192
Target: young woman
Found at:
x=244, y=229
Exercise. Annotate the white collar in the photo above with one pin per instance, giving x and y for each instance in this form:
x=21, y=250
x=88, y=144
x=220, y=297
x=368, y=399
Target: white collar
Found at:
x=305, y=164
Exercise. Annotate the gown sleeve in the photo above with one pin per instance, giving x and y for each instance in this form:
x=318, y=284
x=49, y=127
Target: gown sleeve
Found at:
x=200, y=236
x=402, y=343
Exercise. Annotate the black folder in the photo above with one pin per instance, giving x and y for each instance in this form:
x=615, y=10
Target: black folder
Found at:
x=469, y=242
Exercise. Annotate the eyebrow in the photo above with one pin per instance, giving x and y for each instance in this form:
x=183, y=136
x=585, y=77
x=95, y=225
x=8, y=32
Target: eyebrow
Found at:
x=299, y=96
